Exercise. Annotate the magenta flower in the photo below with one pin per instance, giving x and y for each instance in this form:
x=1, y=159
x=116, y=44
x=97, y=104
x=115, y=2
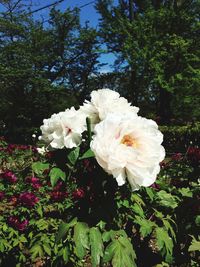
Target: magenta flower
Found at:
x=58, y=196
x=78, y=193
x=9, y=177
x=28, y=199
x=177, y=157
x=193, y=155
x=2, y=195
x=34, y=181
x=17, y=224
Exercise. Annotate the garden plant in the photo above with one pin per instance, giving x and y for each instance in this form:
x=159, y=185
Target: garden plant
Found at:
x=99, y=190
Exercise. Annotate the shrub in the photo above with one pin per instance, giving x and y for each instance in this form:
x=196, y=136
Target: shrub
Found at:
x=180, y=138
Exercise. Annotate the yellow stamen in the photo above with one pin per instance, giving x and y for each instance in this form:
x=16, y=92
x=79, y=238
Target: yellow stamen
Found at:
x=128, y=140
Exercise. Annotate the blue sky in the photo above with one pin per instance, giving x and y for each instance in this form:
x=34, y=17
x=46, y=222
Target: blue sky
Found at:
x=87, y=13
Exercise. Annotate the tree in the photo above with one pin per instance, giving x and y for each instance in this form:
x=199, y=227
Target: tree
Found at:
x=158, y=41
x=41, y=60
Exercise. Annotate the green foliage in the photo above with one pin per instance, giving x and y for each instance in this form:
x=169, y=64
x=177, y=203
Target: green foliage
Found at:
x=165, y=243
x=97, y=246
x=41, y=63
x=195, y=245
x=162, y=58
x=87, y=220
x=88, y=154
x=179, y=138
x=81, y=240
x=39, y=167
x=56, y=174
x=120, y=252
x=73, y=155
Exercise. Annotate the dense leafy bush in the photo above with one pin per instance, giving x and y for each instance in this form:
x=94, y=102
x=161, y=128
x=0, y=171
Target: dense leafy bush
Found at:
x=53, y=215
x=180, y=138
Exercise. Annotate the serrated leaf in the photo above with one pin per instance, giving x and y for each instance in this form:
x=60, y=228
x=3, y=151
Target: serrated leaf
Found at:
x=150, y=192
x=39, y=167
x=146, y=226
x=185, y=192
x=136, y=198
x=96, y=245
x=56, y=174
x=47, y=248
x=63, y=229
x=138, y=209
x=35, y=251
x=195, y=245
x=120, y=252
x=88, y=154
x=167, y=200
x=65, y=254
x=164, y=242
x=81, y=239
x=169, y=228
x=106, y=236
x=73, y=155
x=109, y=252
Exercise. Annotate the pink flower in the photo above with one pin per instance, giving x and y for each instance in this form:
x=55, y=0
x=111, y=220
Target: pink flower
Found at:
x=193, y=154
x=2, y=195
x=32, y=180
x=9, y=177
x=78, y=193
x=58, y=196
x=177, y=157
x=28, y=199
x=17, y=224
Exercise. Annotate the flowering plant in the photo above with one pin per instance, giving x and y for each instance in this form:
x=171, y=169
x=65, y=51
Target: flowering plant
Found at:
x=124, y=144
x=91, y=196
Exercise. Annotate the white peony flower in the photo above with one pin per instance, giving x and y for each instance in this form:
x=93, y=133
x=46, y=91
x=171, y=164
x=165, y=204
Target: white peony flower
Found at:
x=64, y=129
x=129, y=147
x=103, y=102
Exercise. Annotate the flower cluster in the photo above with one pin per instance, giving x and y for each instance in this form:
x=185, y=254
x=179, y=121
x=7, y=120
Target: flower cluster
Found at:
x=9, y=177
x=126, y=145
x=15, y=222
x=34, y=181
x=28, y=199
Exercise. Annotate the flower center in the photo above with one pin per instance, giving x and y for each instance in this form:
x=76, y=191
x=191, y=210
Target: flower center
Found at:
x=128, y=140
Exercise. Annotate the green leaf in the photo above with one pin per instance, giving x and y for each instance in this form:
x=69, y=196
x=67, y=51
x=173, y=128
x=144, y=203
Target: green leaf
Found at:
x=36, y=251
x=136, y=198
x=96, y=245
x=73, y=155
x=81, y=239
x=195, y=245
x=185, y=192
x=56, y=174
x=120, y=252
x=146, y=226
x=197, y=220
x=88, y=154
x=138, y=209
x=169, y=228
x=106, y=236
x=167, y=200
x=39, y=167
x=150, y=192
x=63, y=229
x=47, y=248
x=65, y=254
x=164, y=242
